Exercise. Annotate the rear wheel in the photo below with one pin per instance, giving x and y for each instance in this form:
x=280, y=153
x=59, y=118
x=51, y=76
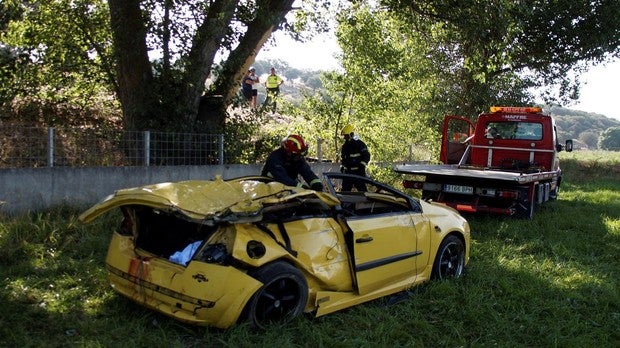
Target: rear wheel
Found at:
x=282, y=297
x=525, y=203
x=553, y=195
x=450, y=259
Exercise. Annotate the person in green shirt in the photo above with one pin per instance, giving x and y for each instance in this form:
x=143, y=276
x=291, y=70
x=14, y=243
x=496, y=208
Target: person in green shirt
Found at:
x=272, y=83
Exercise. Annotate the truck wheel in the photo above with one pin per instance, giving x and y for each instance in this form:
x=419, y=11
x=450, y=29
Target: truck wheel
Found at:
x=450, y=259
x=282, y=297
x=553, y=195
x=525, y=204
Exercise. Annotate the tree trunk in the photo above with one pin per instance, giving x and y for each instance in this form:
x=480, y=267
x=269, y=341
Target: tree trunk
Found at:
x=134, y=73
x=269, y=15
x=204, y=47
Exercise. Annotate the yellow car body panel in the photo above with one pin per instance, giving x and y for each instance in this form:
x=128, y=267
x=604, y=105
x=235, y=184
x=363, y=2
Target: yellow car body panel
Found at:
x=378, y=244
x=203, y=199
x=319, y=252
x=444, y=224
x=384, y=250
x=332, y=301
x=200, y=293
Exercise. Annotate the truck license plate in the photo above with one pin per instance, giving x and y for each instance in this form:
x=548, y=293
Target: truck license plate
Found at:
x=466, y=190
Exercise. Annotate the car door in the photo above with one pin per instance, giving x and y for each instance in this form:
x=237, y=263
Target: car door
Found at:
x=457, y=131
x=384, y=247
x=385, y=225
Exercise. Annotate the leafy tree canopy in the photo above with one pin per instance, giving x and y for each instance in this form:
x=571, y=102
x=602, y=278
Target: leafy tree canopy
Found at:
x=55, y=51
x=406, y=63
x=545, y=42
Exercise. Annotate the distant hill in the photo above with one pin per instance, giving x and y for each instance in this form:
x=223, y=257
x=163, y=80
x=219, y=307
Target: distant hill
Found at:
x=583, y=127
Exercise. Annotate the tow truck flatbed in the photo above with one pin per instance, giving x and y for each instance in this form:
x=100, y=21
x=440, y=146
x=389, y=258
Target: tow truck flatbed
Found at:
x=461, y=171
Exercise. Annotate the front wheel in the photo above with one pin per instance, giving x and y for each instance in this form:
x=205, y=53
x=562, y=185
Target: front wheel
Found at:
x=450, y=259
x=282, y=297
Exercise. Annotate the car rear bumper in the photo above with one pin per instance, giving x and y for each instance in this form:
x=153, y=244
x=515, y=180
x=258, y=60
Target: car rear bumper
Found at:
x=200, y=294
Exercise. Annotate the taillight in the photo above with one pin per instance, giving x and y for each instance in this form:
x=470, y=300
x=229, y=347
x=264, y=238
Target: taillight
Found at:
x=507, y=194
x=411, y=184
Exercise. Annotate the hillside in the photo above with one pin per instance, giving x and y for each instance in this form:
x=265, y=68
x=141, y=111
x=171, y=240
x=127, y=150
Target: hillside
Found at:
x=583, y=127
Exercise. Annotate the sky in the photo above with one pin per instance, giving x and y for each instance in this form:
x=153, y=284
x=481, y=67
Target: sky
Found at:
x=599, y=86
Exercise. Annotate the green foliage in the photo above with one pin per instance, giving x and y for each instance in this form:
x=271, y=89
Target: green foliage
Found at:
x=398, y=83
x=60, y=53
x=583, y=165
x=551, y=281
x=544, y=42
x=380, y=92
x=406, y=64
x=247, y=142
x=610, y=139
x=10, y=10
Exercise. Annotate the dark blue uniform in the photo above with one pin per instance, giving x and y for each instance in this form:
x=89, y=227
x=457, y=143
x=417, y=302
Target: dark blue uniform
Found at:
x=287, y=168
x=355, y=157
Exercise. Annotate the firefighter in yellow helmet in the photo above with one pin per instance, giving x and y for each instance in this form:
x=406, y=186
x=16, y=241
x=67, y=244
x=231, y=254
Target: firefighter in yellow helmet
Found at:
x=288, y=162
x=355, y=157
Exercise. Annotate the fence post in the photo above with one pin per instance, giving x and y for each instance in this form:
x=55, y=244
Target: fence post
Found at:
x=319, y=149
x=50, y=146
x=221, y=159
x=147, y=147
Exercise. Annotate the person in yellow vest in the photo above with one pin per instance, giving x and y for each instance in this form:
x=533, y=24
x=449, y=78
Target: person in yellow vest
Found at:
x=272, y=83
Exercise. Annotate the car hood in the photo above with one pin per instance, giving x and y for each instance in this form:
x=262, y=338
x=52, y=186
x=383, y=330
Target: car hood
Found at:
x=217, y=200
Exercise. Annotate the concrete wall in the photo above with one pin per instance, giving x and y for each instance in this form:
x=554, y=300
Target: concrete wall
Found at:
x=35, y=189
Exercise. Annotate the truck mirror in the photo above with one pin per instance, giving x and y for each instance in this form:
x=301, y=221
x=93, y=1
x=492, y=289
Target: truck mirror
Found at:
x=569, y=145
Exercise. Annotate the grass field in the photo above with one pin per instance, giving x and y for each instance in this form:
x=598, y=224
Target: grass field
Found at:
x=551, y=282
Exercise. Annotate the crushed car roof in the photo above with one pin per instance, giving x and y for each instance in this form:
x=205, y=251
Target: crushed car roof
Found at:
x=214, y=199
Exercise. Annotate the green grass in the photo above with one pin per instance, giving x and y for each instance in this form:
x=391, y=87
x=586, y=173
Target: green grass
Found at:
x=553, y=282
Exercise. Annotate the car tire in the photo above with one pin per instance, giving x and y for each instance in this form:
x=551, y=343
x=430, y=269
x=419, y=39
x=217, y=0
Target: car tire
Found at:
x=450, y=259
x=282, y=297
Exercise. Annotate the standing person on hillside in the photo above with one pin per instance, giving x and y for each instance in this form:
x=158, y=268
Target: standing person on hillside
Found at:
x=355, y=158
x=247, y=85
x=272, y=84
x=288, y=162
x=255, y=82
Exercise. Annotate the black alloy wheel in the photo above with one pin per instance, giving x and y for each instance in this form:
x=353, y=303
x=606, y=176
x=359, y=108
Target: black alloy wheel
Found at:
x=450, y=259
x=282, y=297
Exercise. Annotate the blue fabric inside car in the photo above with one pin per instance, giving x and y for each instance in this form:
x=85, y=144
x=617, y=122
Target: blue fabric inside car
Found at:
x=182, y=257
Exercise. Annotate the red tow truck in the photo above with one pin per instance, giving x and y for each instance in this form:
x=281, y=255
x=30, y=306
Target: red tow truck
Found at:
x=506, y=163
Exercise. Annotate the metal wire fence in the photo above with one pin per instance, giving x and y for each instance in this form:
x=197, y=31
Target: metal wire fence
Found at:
x=30, y=147
x=48, y=147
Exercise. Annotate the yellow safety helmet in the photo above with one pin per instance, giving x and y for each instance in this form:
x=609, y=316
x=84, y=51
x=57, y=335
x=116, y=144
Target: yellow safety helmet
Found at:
x=348, y=129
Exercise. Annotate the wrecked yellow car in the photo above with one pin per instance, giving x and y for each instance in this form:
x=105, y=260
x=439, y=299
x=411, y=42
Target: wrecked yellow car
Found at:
x=251, y=249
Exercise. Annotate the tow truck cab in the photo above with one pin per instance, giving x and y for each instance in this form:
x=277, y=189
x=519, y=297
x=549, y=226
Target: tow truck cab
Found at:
x=508, y=138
